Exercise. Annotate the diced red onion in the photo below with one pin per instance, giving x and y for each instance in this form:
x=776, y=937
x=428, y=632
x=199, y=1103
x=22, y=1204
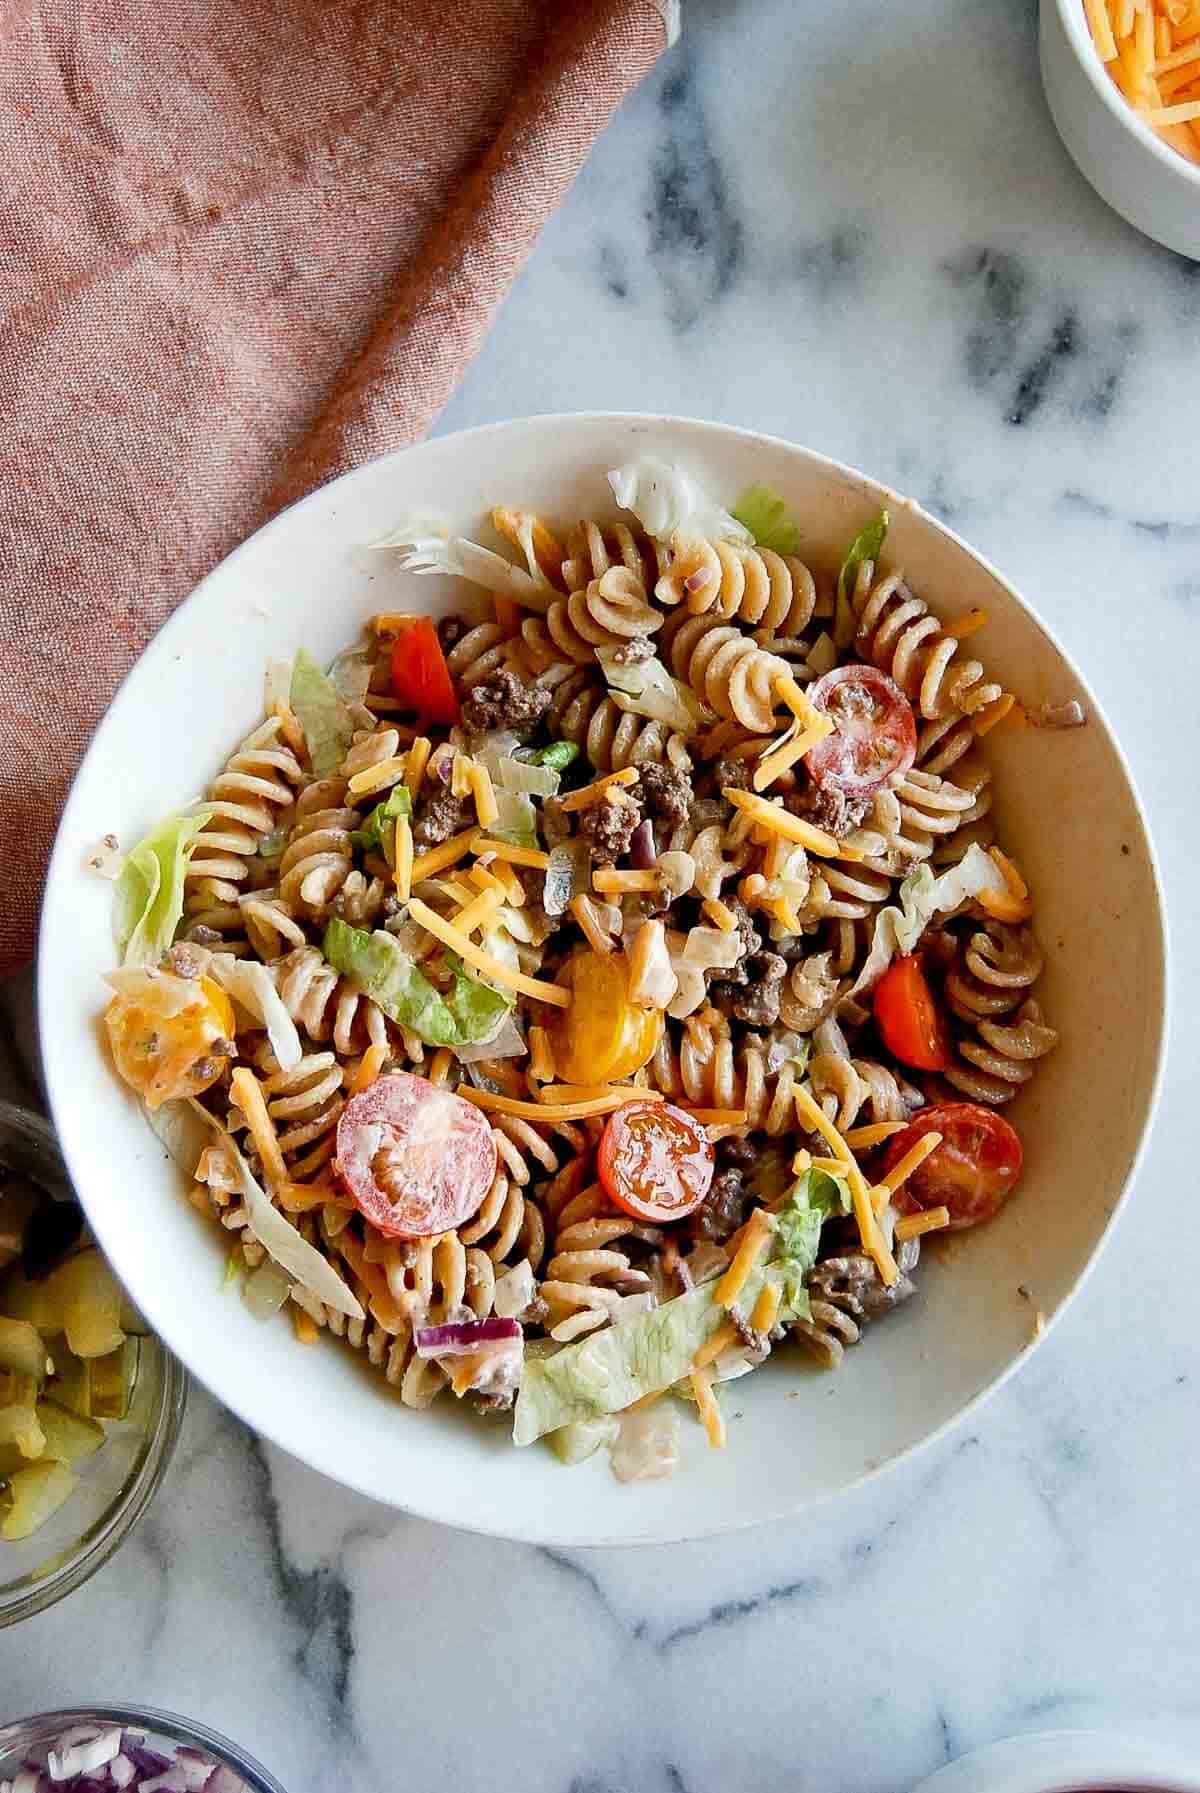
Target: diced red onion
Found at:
x=1062, y=715
x=225, y=1781
x=121, y=1771
x=149, y=1761
x=442, y=764
x=81, y=1752
x=461, y=1338
x=642, y=850
x=170, y=1782
x=698, y=580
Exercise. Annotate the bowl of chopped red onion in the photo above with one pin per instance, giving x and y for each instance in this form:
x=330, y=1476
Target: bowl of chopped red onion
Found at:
x=123, y=1749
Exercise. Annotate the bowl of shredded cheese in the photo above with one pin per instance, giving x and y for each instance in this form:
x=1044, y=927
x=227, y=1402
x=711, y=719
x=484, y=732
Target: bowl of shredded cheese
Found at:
x=1122, y=80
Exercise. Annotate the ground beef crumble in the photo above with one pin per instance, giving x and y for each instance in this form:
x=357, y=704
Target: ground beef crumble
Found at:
x=754, y=999
x=505, y=700
x=828, y=808
x=608, y=829
x=737, y=775
x=666, y=793
x=724, y=1209
x=438, y=817
x=633, y=651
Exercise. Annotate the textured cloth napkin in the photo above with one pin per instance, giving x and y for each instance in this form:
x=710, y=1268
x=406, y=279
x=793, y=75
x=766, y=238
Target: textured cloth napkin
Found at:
x=243, y=247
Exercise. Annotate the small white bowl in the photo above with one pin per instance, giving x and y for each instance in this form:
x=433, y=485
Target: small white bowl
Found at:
x=1071, y=1762
x=1067, y=808
x=1129, y=165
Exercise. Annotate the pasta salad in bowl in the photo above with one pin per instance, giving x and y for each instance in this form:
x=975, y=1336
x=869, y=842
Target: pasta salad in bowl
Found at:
x=634, y=937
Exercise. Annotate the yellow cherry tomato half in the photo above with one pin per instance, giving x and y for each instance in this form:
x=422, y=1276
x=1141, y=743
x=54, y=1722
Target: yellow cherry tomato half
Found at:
x=162, y=1045
x=602, y=1035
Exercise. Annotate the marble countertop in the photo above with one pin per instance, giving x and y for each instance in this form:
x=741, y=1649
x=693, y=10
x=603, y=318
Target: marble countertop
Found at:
x=853, y=226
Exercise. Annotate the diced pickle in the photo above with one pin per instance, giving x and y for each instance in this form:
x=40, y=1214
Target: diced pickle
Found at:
x=33, y=1495
x=17, y=1390
x=21, y=1349
x=112, y=1381
x=88, y=1296
x=19, y=1426
x=71, y=1383
x=68, y=1436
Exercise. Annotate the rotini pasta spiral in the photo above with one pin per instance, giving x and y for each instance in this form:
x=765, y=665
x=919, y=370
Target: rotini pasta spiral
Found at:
x=990, y=979
x=1000, y=1057
x=319, y=856
x=592, y=550
x=894, y=628
x=706, y=1068
x=845, y=1294
x=612, y=738
x=726, y=668
x=995, y=968
x=772, y=593
x=588, y=1274
x=248, y=801
x=845, y=1086
x=612, y=610
x=482, y=651
x=326, y=1005
x=923, y=811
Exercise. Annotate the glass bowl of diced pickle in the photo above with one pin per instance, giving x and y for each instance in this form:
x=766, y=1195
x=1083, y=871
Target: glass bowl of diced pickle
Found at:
x=90, y=1402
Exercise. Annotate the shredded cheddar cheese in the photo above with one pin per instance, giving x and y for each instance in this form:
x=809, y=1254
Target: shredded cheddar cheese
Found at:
x=460, y=776
x=541, y=1056
x=755, y=1236
x=595, y=1092
x=809, y=727
x=304, y=1326
x=441, y=1065
x=289, y=725
x=486, y=807
x=369, y=1066
x=618, y=883
x=987, y=718
x=861, y=1139
x=912, y=1159
x=791, y=827
x=492, y=968
x=478, y=912
x=873, y=1243
x=404, y=858
x=595, y=792
x=302, y=1198
x=552, y=1110
x=716, y=1117
x=961, y=627
x=427, y=865
x=503, y=849
x=710, y=1412
x=765, y=1308
x=415, y=762
x=247, y=1093
x=719, y=914
x=597, y=935
x=715, y=1344
x=931, y=1220
x=1014, y=905
x=375, y=778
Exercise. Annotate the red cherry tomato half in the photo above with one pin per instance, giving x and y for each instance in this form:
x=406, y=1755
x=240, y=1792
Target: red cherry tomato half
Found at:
x=656, y=1162
x=420, y=677
x=416, y=1159
x=972, y=1172
x=909, y=1020
x=874, y=735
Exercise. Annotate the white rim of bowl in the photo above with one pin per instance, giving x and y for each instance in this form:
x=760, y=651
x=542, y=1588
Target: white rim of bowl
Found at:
x=1075, y=25
x=873, y=489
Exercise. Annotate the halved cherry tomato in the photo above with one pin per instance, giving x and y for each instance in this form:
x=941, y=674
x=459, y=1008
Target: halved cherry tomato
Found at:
x=420, y=676
x=972, y=1172
x=907, y=1015
x=416, y=1159
x=655, y=1161
x=163, y=1032
x=874, y=735
x=602, y=1035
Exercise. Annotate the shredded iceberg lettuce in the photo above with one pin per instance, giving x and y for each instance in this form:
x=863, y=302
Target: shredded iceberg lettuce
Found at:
x=424, y=546
x=322, y=714
x=766, y=515
x=608, y=1371
x=397, y=803
x=665, y=499
x=471, y=1012
x=148, y=895
x=646, y=688
x=812, y=1199
x=922, y=896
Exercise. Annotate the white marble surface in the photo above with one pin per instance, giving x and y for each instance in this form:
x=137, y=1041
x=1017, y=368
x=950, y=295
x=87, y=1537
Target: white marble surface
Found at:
x=854, y=226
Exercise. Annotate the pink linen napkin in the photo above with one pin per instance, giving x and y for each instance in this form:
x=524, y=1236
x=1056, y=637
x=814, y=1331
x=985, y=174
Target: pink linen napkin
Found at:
x=243, y=247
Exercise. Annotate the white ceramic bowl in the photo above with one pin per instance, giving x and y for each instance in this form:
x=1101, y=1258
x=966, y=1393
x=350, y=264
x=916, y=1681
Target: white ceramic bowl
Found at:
x=1066, y=806
x=1072, y=1762
x=1129, y=165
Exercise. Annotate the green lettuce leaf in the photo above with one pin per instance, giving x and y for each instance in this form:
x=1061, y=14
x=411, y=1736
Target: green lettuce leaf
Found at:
x=148, y=897
x=610, y=1370
x=471, y=1014
x=812, y=1199
x=558, y=756
x=867, y=545
x=766, y=515
x=517, y=821
x=324, y=717
x=397, y=803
